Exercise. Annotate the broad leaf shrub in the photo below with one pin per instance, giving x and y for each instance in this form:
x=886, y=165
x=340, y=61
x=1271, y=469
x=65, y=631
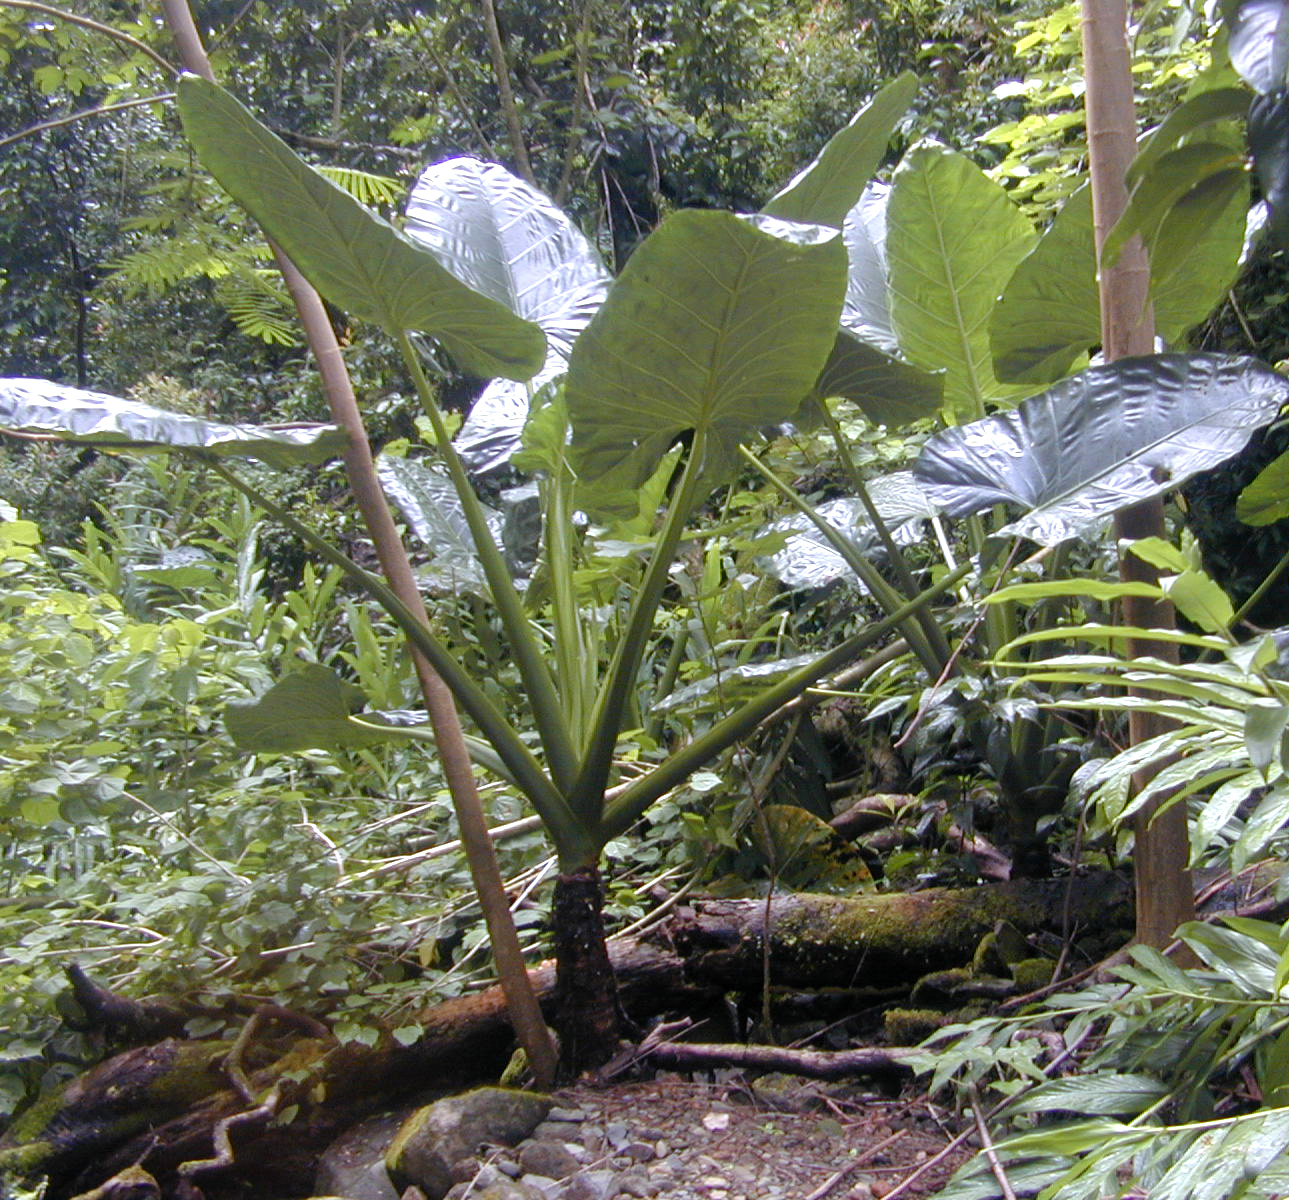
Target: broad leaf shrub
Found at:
x=1166, y=1082
x=140, y=844
x=1170, y=1081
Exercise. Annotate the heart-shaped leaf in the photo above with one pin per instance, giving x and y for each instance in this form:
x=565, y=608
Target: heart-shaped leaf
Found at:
x=1108, y=438
x=718, y=324
x=953, y=239
x=354, y=257
x=97, y=419
x=824, y=192
x=508, y=241
x=1049, y=314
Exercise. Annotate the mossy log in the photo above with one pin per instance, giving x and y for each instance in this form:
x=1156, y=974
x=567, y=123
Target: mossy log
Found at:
x=161, y=1106
x=880, y=939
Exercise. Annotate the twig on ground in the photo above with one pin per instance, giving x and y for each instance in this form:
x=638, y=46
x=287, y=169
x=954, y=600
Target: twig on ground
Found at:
x=851, y=1167
x=987, y=1145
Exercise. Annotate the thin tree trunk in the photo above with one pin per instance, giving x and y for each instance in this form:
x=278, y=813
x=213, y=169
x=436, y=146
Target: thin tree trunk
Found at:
x=525, y=1013
x=509, y=110
x=1165, y=893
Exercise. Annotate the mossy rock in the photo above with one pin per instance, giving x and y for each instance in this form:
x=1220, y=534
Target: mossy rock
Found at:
x=437, y=1137
x=1031, y=974
x=909, y=1026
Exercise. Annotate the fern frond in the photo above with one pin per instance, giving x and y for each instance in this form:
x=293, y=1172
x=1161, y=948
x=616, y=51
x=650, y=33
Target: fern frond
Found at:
x=199, y=250
x=365, y=187
x=259, y=306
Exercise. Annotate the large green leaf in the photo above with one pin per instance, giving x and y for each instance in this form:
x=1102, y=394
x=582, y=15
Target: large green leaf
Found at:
x=1108, y=438
x=1049, y=313
x=825, y=191
x=97, y=419
x=1195, y=253
x=953, y=239
x=1196, y=112
x=508, y=241
x=1169, y=180
x=719, y=324
x=306, y=710
x=890, y=392
x=867, y=311
x=354, y=257
x=1266, y=499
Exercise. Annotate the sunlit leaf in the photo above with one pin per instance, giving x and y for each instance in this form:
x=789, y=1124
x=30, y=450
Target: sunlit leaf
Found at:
x=825, y=191
x=719, y=324
x=97, y=419
x=508, y=241
x=953, y=239
x=1259, y=42
x=354, y=257
x=1101, y=441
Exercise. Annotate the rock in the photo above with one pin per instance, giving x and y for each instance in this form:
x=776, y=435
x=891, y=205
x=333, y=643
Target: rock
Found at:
x=636, y=1181
x=506, y=1189
x=354, y=1164
x=590, y=1185
x=548, y=1187
x=565, y=1114
x=547, y=1158
x=481, y=1175
x=440, y=1135
x=510, y=1189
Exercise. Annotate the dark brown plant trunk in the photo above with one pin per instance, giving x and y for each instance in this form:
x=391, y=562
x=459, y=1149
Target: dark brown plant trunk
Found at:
x=588, y=1016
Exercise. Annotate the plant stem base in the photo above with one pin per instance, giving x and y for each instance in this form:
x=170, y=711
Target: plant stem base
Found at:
x=588, y=1016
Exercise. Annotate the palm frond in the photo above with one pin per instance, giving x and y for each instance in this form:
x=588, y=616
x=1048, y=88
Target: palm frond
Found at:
x=366, y=188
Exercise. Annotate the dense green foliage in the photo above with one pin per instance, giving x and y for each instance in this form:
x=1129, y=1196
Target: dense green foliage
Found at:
x=635, y=661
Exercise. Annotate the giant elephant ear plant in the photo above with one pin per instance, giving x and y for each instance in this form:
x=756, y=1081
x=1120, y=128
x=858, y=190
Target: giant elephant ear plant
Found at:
x=718, y=326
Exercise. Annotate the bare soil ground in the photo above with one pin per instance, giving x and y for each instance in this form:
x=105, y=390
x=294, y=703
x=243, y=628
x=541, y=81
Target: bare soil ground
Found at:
x=773, y=1138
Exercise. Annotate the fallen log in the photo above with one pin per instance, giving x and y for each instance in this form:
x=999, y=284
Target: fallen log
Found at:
x=880, y=938
x=178, y=1098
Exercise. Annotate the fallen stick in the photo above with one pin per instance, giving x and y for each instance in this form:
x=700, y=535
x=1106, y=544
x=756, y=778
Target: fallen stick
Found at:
x=814, y=1064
